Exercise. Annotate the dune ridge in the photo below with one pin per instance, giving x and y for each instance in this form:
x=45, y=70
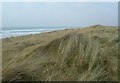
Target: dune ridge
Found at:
x=85, y=54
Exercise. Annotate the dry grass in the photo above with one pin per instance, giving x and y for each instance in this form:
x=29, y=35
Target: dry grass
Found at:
x=87, y=54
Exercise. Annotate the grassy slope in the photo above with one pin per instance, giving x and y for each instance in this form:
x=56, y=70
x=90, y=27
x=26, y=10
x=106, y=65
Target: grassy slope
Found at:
x=85, y=54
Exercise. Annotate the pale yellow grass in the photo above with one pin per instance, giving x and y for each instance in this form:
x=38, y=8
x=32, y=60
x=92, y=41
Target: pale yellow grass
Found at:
x=86, y=54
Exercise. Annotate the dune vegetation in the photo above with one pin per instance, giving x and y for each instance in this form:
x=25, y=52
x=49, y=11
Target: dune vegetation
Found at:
x=82, y=54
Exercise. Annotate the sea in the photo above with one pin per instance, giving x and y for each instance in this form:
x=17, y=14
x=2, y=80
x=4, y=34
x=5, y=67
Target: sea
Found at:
x=13, y=32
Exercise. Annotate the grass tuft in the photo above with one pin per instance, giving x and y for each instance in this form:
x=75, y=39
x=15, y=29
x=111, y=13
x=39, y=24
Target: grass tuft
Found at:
x=88, y=54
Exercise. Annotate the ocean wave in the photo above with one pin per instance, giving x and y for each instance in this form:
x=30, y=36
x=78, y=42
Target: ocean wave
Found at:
x=13, y=33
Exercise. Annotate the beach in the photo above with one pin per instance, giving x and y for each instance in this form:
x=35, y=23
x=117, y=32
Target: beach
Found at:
x=13, y=32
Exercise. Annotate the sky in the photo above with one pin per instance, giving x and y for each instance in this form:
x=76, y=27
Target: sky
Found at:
x=0, y=16
x=59, y=14
x=59, y=0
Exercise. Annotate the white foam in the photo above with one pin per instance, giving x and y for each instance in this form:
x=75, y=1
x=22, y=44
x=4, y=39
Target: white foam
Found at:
x=14, y=33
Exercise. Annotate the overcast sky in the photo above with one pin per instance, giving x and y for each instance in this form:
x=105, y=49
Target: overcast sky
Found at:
x=56, y=14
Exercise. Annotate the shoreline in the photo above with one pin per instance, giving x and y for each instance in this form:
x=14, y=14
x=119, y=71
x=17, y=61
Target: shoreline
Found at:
x=50, y=30
x=28, y=33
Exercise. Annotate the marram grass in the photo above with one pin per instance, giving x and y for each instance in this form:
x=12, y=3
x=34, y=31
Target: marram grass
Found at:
x=87, y=54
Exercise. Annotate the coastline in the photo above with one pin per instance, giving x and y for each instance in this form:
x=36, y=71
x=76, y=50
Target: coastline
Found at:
x=24, y=32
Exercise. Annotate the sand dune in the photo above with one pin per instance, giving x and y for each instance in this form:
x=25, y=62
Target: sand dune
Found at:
x=85, y=54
